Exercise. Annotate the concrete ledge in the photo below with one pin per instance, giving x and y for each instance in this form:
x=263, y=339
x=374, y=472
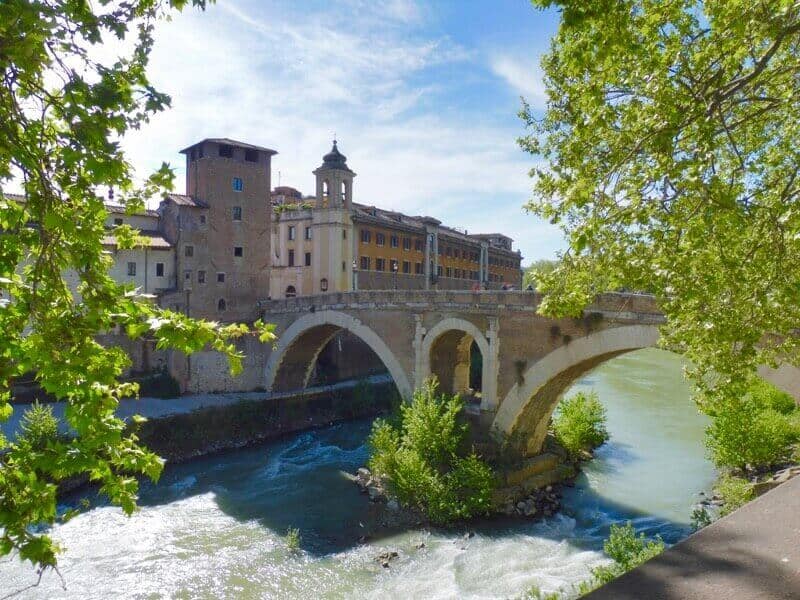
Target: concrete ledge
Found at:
x=752, y=554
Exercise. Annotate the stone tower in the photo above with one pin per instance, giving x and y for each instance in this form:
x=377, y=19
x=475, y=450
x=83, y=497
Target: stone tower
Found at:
x=224, y=233
x=334, y=181
x=332, y=225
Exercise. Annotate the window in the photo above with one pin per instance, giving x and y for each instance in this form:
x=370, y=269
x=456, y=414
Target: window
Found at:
x=291, y=258
x=366, y=236
x=380, y=239
x=418, y=268
x=418, y=245
x=440, y=250
x=308, y=259
x=323, y=284
x=380, y=264
x=202, y=219
x=201, y=277
x=251, y=155
x=406, y=243
x=291, y=292
x=457, y=274
x=394, y=241
x=226, y=150
x=308, y=233
x=291, y=232
x=159, y=269
x=448, y=272
x=448, y=251
x=187, y=275
x=238, y=251
x=188, y=250
x=365, y=263
x=406, y=267
x=117, y=221
x=238, y=186
x=237, y=213
x=393, y=265
x=439, y=270
x=344, y=234
x=221, y=305
x=220, y=277
x=131, y=269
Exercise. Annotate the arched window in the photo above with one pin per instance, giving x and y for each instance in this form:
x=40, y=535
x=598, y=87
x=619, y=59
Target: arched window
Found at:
x=291, y=292
x=323, y=284
x=221, y=305
x=344, y=192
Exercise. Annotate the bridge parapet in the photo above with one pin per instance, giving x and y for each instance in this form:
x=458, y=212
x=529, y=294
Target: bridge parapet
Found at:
x=621, y=306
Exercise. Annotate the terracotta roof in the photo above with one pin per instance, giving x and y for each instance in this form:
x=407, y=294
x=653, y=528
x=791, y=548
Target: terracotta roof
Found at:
x=230, y=142
x=184, y=200
x=157, y=241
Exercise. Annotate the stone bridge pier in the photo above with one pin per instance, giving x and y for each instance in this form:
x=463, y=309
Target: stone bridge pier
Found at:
x=528, y=360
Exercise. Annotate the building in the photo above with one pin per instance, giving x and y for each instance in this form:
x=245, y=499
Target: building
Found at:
x=231, y=240
x=329, y=242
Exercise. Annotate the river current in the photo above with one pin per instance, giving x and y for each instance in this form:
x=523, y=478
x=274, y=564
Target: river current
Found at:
x=214, y=528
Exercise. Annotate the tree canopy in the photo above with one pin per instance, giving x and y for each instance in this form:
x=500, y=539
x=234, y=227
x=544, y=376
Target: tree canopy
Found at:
x=672, y=143
x=63, y=114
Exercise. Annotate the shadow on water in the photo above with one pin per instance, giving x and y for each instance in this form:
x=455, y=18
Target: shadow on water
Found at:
x=300, y=483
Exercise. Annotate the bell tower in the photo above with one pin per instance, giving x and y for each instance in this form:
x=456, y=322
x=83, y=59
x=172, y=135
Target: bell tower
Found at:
x=332, y=221
x=334, y=181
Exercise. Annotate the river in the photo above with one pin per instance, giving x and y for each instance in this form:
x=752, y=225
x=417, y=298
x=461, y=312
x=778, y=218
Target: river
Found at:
x=214, y=528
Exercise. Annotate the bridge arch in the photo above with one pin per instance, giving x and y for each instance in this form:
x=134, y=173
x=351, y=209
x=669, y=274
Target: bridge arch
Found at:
x=524, y=415
x=454, y=336
x=290, y=364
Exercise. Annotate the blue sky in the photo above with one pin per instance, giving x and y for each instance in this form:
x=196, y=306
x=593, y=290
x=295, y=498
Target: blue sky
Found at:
x=422, y=96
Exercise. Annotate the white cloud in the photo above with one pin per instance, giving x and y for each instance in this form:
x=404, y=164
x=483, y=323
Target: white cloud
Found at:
x=523, y=75
x=249, y=73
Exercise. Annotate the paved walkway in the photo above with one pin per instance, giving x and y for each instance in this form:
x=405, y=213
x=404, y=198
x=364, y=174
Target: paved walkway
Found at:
x=154, y=408
x=752, y=554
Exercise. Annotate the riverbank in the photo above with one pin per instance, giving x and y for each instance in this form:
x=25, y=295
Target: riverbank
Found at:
x=156, y=408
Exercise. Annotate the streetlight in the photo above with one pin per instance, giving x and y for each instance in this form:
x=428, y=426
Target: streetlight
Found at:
x=355, y=276
x=394, y=270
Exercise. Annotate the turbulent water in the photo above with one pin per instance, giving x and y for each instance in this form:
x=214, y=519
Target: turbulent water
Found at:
x=214, y=528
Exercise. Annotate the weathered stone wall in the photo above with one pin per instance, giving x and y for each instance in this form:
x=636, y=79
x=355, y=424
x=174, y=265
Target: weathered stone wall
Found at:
x=214, y=429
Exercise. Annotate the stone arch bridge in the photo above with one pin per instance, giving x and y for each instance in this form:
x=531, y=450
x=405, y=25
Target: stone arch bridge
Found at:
x=527, y=360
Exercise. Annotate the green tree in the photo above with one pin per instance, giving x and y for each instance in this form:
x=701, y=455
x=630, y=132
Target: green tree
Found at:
x=421, y=455
x=672, y=143
x=537, y=270
x=63, y=114
x=579, y=424
x=744, y=435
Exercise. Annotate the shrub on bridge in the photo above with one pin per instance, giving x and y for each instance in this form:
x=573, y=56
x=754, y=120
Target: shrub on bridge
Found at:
x=422, y=456
x=579, y=424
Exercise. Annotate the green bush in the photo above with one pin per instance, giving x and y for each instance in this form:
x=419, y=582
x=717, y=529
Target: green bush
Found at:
x=743, y=434
x=38, y=426
x=422, y=457
x=766, y=395
x=580, y=423
x=293, y=539
x=627, y=550
x=735, y=492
